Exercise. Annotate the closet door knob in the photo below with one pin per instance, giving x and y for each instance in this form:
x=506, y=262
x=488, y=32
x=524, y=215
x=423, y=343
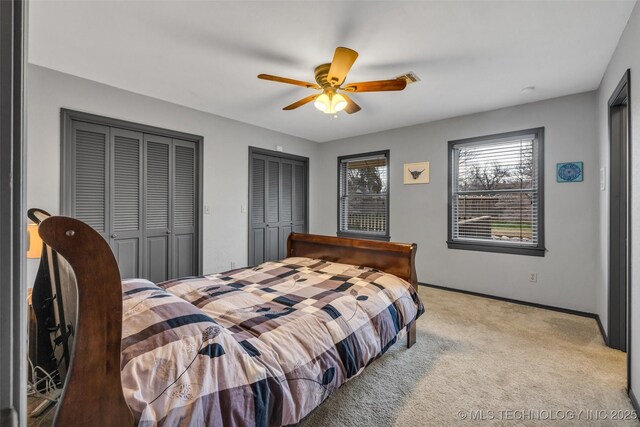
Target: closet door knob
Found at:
x=168, y=232
x=114, y=235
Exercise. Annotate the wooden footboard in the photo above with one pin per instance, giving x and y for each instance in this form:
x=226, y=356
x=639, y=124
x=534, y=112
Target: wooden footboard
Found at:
x=92, y=393
x=393, y=258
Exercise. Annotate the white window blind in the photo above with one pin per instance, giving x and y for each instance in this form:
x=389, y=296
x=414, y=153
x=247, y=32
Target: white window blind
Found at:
x=495, y=194
x=364, y=195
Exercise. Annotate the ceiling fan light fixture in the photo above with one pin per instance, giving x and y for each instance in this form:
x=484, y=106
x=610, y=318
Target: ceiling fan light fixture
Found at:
x=323, y=103
x=330, y=102
x=338, y=103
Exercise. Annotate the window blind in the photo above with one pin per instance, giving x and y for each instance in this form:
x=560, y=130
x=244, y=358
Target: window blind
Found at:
x=364, y=195
x=495, y=191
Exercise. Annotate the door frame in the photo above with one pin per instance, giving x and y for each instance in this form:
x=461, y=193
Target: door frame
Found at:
x=13, y=307
x=620, y=239
x=67, y=116
x=281, y=155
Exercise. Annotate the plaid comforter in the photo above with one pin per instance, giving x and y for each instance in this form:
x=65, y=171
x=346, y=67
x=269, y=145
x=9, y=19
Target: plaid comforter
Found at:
x=259, y=346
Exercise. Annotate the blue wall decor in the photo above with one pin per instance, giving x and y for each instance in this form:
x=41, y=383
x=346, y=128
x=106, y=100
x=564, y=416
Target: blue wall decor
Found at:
x=569, y=172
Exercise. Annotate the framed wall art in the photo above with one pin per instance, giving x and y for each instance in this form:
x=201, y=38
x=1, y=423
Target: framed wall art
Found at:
x=416, y=173
x=569, y=172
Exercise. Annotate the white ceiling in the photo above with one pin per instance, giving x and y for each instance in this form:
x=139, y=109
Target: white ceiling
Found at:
x=471, y=56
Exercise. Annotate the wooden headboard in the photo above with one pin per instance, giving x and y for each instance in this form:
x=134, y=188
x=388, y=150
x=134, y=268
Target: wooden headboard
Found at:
x=394, y=258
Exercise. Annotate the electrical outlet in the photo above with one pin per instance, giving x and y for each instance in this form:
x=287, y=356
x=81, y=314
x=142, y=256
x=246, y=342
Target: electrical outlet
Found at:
x=233, y=265
x=533, y=277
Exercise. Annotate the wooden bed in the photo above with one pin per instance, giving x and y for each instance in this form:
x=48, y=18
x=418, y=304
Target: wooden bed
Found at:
x=92, y=393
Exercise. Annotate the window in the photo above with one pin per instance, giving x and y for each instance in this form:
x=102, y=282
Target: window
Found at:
x=496, y=193
x=363, y=196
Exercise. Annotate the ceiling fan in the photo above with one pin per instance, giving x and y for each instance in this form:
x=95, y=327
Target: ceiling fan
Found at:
x=330, y=79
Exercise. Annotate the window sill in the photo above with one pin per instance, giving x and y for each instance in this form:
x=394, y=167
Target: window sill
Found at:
x=503, y=249
x=363, y=236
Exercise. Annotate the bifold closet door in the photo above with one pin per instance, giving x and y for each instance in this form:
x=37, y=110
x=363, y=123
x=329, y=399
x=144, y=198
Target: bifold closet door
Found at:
x=88, y=176
x=266, y=209
x=158, y=196
x=170, y=183
x=184, y=237
x=140, y=192
x=293, y=202
x=272, y=227
x=278, y=205
x=126, y=209
x=106, y=174
x=257, y=221
x=299, y=214
x=286, y=205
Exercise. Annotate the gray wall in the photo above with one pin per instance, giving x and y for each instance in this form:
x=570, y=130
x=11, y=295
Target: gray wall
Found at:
x=225, y=153
x=627, y=55
x=566, y=275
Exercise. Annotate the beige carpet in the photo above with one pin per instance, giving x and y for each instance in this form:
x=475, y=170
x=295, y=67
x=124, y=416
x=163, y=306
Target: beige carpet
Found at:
x=478, y=354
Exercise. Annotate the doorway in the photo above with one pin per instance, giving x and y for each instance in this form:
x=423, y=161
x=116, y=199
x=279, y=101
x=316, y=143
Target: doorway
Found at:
x=13, y=313
x=619, y=215
x=278, y=202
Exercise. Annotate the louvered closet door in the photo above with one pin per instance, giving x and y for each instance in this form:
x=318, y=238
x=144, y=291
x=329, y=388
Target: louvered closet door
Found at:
x=89, y=184
x=126, y=207
x=299, y=215
x=257, y=221
x=140, y=192
x=272, y=230
x=278, y=205
x=286, y=204
x=157, y=242
x=183, y=236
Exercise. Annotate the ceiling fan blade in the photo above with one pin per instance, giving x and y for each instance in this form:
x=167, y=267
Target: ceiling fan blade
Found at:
x=377, y=86
x=301, y=102
x=342, y=62
x=289, y=81
x=351, y=107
